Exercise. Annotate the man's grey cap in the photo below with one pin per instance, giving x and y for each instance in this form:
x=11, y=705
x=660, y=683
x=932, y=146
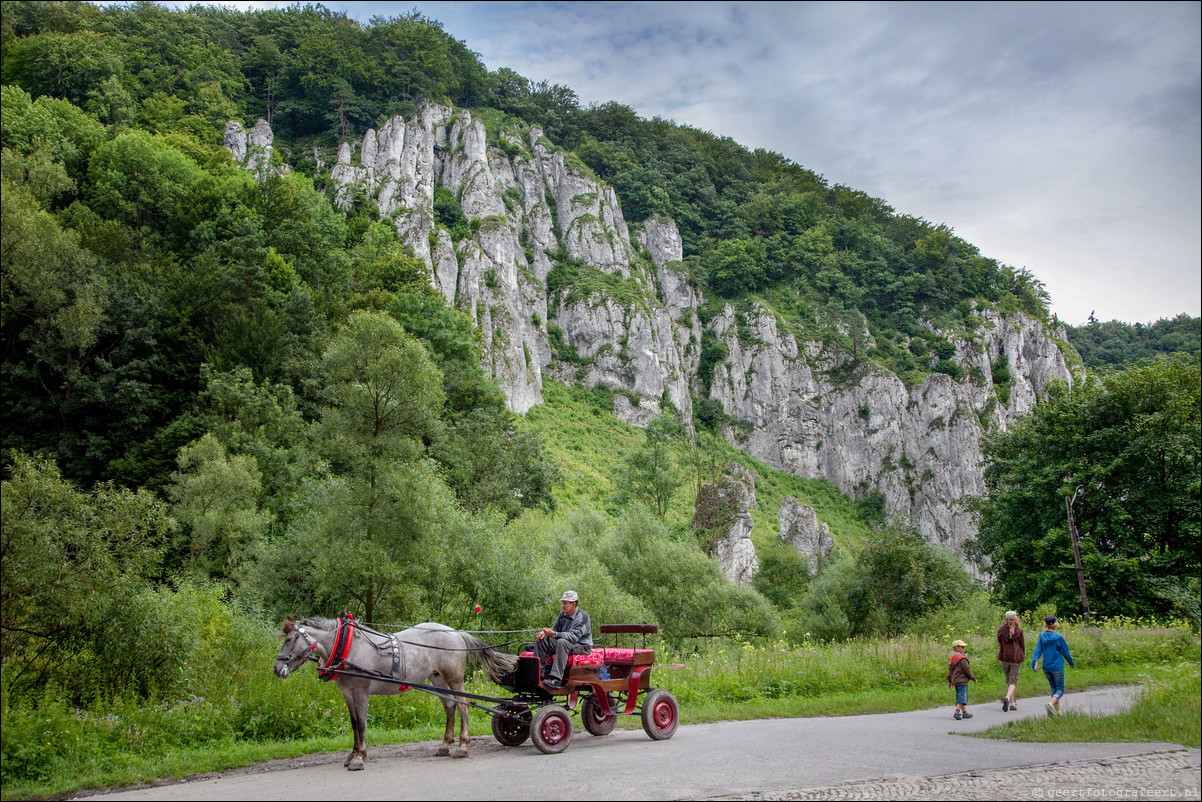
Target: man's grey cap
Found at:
x=569, y=595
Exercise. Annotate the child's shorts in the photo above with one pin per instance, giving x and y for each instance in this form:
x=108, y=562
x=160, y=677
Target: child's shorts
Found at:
x=1012, y=671
x=1056, y=682
x=961, y=694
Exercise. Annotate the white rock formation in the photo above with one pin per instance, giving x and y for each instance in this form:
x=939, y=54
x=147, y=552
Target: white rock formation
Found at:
x=800, y=528
x=726, y=505
x=252, y=149
x=807, y=407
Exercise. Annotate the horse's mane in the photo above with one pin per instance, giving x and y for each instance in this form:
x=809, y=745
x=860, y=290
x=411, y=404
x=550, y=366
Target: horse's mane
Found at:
x=313, y=621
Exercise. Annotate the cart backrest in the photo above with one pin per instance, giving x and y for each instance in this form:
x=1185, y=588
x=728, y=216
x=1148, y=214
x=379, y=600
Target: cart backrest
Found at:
x=629, y=629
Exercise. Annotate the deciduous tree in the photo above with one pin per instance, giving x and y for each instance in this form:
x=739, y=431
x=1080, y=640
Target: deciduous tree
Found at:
x=1132, y=441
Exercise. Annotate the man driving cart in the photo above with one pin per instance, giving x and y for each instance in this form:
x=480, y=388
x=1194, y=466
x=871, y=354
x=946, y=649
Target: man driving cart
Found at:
x=571, y=634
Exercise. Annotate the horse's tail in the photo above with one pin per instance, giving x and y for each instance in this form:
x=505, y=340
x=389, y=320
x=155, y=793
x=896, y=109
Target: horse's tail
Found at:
x=495, y=661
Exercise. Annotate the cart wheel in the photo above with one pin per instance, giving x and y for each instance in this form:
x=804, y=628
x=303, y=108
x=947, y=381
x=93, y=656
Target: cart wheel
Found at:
x=594, y=721
x=512, y=728
x=551, y=730
x=661, y=714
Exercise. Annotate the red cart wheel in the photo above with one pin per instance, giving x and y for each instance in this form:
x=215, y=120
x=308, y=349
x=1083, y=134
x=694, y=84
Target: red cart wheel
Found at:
x=661, y=715
x=594, y=721
x=551, y=730
x=512, y=728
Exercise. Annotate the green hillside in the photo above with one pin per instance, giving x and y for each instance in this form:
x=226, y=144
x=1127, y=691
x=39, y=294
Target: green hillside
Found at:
x=581, y=434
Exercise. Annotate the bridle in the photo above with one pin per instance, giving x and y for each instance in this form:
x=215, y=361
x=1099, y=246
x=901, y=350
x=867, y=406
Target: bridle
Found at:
x=336, y=659
x=293, y=663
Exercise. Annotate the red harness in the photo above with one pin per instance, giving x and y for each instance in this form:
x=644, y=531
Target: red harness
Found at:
x=342, y=647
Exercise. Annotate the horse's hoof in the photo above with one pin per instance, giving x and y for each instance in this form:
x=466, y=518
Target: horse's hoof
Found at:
x=459, y=753
x=356, y=764
x=443, y=750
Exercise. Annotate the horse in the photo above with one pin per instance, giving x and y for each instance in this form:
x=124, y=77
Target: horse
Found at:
x=427, y=653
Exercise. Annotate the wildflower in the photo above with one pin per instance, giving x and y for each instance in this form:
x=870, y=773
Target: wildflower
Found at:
x=478, y=608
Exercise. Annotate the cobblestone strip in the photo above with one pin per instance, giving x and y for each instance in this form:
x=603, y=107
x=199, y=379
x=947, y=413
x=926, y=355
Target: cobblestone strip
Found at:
x=1158, y=775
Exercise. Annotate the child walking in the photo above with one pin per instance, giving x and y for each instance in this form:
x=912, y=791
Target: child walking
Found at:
x=958, y=675
x=1054, y=649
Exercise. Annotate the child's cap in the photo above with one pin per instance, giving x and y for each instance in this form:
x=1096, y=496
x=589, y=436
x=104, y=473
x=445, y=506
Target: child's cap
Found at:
x=956, y=643
x=1011, y=615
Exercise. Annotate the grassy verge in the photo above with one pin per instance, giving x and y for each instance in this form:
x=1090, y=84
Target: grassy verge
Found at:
x=53, y=750
x=1168, y=709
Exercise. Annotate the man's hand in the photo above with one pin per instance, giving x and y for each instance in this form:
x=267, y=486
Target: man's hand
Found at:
x=546, y=633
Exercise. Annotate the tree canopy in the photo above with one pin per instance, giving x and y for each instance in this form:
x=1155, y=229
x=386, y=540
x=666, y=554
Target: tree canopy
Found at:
x=1132, y=442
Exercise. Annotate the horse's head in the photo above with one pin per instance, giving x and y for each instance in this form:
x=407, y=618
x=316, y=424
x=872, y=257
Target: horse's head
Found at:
x=297, y=648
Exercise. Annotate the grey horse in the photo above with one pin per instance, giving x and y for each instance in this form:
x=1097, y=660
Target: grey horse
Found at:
x=428, y=653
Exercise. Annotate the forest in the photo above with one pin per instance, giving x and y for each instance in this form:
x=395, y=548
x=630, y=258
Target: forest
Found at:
x=225, y=400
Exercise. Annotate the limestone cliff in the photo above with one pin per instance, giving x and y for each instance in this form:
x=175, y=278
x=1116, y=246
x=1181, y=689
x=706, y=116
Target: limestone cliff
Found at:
x=561, y=285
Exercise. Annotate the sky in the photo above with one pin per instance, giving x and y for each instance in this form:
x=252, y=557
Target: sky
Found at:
x=1063, y=138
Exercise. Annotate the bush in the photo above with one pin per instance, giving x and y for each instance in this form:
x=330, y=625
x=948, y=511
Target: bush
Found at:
x=784, y=576
x=897, y=578
x=683, y=589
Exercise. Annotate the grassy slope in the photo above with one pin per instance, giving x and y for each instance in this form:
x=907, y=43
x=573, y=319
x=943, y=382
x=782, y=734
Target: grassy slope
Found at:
x=587, y=441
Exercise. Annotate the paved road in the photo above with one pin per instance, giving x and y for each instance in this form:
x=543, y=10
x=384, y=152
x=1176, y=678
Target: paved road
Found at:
x=881, y=756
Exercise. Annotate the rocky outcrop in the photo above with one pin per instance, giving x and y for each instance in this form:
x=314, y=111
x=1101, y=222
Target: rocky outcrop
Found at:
x=250, y=149
x=722, y=513
x=800, y=528
x=813, y=412
x=561, y=285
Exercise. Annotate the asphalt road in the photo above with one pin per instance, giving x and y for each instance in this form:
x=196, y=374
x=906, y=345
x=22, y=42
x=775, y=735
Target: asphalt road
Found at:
x=750, y=759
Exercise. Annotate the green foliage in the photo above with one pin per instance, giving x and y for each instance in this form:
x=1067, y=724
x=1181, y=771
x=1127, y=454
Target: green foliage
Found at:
x=784, y=576
x=380, y=262
x=73, y=565
x=1131, y=441
x=895, y=580
x=141, y=180
x=900, y=577
x=573, y=281
x=48, y=140
x=261, y=421
x=385, y=394
x=684, y=590
x=354, y=546
x=648, y=474
x=736, y=267
x=72, y=65
x=1115, y=345
x=713, y=353
x=448, y=213
x=215, y=497
x=493, y=462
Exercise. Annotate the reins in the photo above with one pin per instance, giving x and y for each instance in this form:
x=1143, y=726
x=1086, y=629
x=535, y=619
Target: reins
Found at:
x=483, y=648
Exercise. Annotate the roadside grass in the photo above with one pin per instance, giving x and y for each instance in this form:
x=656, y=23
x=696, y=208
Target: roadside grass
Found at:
x=1168, y=708
x=53, y=750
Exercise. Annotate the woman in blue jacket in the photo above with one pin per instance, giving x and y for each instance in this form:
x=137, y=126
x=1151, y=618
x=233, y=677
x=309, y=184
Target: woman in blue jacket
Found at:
x=1054, y=649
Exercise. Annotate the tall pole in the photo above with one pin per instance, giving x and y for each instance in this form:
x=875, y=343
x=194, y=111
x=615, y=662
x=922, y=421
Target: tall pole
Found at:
x=1072, y=530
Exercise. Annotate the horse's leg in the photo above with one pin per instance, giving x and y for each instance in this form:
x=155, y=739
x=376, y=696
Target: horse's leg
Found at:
x=448, y=705
x=356, y=703
x=448, y=739
x=463, y=733
x=454, y=680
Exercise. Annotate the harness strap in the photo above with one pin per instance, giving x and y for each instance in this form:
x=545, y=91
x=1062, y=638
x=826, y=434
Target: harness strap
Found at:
x=342, y=647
